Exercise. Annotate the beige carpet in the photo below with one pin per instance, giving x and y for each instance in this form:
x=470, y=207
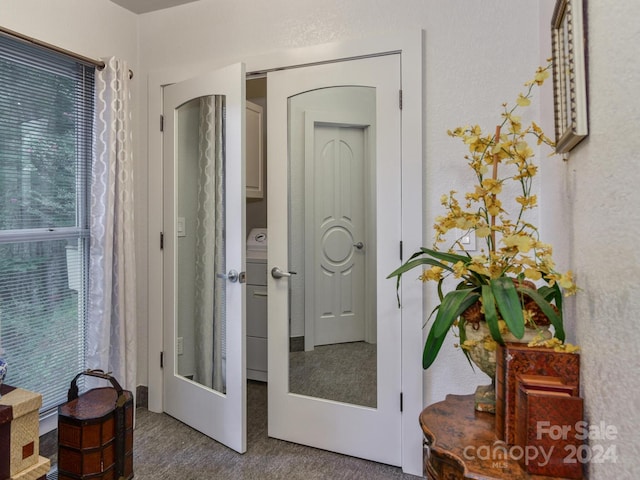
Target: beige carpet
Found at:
x=167, y=449
x=344, y=372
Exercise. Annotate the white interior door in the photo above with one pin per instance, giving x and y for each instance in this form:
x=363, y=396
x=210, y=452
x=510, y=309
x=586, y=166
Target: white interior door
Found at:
x=204, y=374
x=299, y=412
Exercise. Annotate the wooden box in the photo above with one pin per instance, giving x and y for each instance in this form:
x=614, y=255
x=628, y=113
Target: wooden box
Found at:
x=95, y=433
x=546, y=430
x=515, y=359
x=19, y=430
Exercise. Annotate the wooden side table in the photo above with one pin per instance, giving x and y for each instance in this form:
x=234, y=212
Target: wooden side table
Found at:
x=460, y=443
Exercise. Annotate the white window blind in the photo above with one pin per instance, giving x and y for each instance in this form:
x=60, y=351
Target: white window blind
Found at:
x=46, y=116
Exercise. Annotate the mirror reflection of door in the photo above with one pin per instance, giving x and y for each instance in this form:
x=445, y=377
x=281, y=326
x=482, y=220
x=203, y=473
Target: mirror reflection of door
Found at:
x=331, y=207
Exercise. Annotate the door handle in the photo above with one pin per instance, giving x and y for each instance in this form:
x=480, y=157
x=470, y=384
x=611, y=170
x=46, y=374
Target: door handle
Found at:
x=359, y=245
x=277, y=273
x=233, y=276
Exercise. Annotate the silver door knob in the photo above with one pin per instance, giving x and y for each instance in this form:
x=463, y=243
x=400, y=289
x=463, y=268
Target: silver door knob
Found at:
x=232, y=276
x=277, y=273
x=359, y=245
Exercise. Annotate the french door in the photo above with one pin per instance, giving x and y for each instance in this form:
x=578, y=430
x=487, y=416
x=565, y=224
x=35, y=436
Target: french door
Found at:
x=334, y=171
x=204, y=369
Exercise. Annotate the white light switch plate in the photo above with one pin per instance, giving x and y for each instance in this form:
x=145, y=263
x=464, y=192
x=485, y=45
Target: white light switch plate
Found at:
x=181, y=227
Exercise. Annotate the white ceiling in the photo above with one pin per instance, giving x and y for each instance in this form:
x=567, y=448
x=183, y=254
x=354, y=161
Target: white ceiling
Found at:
x=145, y=6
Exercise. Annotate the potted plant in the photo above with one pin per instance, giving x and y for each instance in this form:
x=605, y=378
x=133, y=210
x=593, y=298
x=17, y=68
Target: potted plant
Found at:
x=496, y=287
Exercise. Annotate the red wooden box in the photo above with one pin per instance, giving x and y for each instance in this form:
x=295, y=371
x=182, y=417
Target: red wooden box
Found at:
x=546, y=429
x=515, y=359
x=95, y=433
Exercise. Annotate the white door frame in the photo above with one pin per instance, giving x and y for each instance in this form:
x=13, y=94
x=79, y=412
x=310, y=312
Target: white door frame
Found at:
x=411, y=47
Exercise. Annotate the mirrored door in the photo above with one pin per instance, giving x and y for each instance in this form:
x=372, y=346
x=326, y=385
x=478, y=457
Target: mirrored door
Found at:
x=334, y=225
x=204, y=326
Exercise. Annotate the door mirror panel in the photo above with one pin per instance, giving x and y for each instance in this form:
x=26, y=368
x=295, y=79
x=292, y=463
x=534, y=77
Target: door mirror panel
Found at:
x=331, y=134
x=200, y=271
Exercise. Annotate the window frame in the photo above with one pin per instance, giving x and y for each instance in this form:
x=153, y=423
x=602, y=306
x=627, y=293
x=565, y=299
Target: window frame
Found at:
x=83, y=109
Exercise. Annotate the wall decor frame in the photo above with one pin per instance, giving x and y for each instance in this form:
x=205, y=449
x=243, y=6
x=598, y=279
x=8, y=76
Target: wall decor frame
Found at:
x=568, y=39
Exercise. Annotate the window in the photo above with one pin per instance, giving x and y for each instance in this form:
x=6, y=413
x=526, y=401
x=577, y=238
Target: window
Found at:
x=46, y=116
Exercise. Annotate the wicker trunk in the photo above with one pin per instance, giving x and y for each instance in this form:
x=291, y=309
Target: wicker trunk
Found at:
x=19, y=433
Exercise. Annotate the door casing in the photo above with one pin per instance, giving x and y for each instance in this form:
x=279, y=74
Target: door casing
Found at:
x=410, y=44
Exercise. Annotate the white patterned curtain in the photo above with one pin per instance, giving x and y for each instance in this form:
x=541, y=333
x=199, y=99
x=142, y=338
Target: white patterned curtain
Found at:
x=210, y=341
x=111, y=323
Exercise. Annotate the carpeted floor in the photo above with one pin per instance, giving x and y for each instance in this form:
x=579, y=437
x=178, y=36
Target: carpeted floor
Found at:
x=167, y=449
x=344, y=372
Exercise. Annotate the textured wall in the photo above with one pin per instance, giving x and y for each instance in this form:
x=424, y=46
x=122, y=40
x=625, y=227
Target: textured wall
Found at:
x=102, y=29
x=603, y=184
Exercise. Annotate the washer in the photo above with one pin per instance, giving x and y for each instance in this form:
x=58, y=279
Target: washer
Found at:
x=257, y=243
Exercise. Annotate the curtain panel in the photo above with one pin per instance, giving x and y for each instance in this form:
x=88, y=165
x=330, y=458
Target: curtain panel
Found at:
x=111, y=319
x=209, y=321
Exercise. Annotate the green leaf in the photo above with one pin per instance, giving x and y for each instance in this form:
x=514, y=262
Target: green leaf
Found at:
x=463, y=338
x=446, y=256
x=509, y=305
x=552, y=293
x=546, y=292
x=455, y=258
x=547, y=309
x=411, y=264
x=490, y=313
x=431, y=348
x=453, y=304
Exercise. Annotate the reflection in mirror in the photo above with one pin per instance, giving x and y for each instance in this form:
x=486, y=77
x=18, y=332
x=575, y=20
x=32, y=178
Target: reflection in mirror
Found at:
x=332, y=244
x=200, y=267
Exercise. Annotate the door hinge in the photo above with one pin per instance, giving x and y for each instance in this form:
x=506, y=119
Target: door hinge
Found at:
x=161, y=240
x=161, y=359
x=162, y=123
x=401, y=402
x=401, y=250
x=400, y=99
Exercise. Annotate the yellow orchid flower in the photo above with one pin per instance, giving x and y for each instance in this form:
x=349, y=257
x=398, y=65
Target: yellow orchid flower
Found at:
x=527, y=202
x=434, y=273
x=490, y=345
x=523, y=243
x=492, y=186
x=532, y=274
x=483, y=231
x=459, y=269
x=503, y=169
x=523, y=101
x=541, y=76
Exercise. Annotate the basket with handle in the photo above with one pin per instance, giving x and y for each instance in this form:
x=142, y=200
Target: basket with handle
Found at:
x=95, y=431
